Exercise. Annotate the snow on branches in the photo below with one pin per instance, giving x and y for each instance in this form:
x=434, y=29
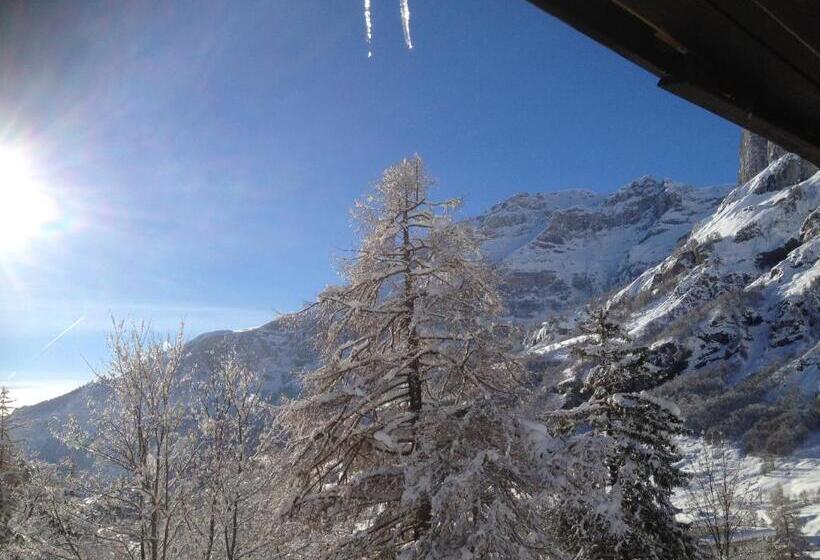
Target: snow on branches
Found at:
x=406, y=441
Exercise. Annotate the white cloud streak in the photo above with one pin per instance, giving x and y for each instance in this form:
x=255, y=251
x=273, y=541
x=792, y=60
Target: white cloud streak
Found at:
x=61, y=335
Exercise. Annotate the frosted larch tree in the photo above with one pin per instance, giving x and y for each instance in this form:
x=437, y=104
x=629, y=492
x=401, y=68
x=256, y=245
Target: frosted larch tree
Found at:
x=404, y=443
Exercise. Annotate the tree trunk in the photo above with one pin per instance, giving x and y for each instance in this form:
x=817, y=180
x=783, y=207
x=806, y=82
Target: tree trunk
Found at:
x=414, y=382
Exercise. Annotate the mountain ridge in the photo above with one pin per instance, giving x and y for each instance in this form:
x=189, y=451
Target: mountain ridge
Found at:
x=515, y=231
x=557, y=252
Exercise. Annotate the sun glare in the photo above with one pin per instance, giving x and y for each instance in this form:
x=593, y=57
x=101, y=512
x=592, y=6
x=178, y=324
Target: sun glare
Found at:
x=26, y=209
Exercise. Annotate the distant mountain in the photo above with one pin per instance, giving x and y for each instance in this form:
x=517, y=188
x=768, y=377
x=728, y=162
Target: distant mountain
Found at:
x=559, y=250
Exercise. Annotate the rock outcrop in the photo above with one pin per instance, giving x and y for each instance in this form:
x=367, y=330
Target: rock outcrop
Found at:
x=757, y=153
x=557, y=251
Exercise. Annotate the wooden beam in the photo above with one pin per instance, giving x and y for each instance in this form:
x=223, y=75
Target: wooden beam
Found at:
x=757, y=122
x=744, y=60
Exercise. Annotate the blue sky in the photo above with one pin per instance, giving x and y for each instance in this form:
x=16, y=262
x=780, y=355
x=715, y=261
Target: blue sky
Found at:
x=203, y=154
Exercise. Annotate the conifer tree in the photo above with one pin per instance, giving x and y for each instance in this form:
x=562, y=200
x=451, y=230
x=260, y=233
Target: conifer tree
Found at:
x=403, y=443
x=638, y=433
x=10, y=471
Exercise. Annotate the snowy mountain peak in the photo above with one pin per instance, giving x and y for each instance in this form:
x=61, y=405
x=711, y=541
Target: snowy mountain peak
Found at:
x=645, y=187
x=559, y=250
x=738, y=305
x=511, y=224
x=545, y=201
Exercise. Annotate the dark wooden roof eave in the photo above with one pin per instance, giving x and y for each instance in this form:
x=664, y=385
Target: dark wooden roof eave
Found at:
x=753, y=62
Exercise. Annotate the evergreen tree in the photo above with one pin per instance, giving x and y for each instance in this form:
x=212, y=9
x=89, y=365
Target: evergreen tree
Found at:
x=10, y=466
x=788, y=541
x=404, y=442
x=638, y=432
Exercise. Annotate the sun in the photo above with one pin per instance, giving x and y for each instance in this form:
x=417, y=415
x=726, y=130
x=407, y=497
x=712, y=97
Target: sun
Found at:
x=26, y=209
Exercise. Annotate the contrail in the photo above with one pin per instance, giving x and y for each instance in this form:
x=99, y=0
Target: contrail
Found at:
x=61, y=335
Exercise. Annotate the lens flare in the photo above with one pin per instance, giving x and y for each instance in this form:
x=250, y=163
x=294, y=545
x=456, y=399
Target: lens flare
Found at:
x=26, y=209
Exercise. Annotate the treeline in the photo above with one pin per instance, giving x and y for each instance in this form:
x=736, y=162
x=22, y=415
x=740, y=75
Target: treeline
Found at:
x=421, y=435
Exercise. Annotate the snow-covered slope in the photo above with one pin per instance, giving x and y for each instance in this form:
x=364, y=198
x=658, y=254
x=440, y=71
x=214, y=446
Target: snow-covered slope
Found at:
x=798, y=475
x=747, y=280
x=737, y=305
x=559, y=250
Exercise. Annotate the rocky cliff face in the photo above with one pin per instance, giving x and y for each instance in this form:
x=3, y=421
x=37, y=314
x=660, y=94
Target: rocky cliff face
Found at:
x=754, y=156
x=756, y=153
x=557, y=251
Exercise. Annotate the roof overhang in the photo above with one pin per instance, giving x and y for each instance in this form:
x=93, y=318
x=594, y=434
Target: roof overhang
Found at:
x=753, y=62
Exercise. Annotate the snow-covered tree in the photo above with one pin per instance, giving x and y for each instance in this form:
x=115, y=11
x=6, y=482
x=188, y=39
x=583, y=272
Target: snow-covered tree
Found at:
x=138, y=438
x=185, y=466
x=722, y=498
x=615, y=364
x=57, y=518
x=10, y=466
x=637, y=434
x=405, y=442
x=788, y=541
x=229, y=513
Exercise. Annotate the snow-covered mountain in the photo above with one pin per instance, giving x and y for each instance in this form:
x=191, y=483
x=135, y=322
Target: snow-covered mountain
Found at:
x=737, y=306
x=559, y=250
x=762, y=242
x=735, y=310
